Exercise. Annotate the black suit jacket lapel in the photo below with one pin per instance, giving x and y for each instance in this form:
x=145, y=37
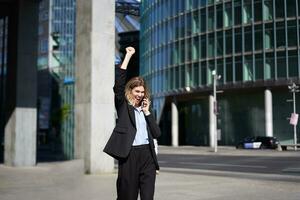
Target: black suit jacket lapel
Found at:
x=131, y=115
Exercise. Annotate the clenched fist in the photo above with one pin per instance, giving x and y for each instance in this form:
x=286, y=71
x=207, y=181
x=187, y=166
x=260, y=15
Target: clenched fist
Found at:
x=130, y=50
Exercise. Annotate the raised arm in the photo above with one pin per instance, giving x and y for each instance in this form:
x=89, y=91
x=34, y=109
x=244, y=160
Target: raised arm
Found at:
x=119, y=87
x=129, y=52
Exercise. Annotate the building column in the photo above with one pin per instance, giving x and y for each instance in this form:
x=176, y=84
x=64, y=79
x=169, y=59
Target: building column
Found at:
x=20, y=129
x=175, y=120
x=94, y=98
x=268, y=113
x=211, y=122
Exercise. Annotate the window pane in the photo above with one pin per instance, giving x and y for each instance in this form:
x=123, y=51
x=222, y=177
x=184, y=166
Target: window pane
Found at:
x=210, y=23
x=257, y=10
x=248, y=38
x=195, y=48
x=188, y=50
x=258, y=37
x=248, y=68
x=291, y=8
x=228, y=15
x=211, y=46
x=238, y=40
x=211, y=67
x=292, y=33
x=220, y=43
x=279, y=6
x=269, y=66
x=188, y=76
x=237, y=12
x=196, y=74
x=259, y=67
x=293, y=63
x=229, y=70
x=195, y=22
x=203, y=73
x=220, y=70
x=203, y=46
x=182, y=51
x=247, y=12
x=188, y=24
x=228, y=41
x=177, y=77
x=203, y=20
x=182, y=76
x=281, y=65
x=177, y=27
x=269, y=36
x=280, y=34
x=268, y=10
x=238, y=69
x=181, y=26
x=220, y=16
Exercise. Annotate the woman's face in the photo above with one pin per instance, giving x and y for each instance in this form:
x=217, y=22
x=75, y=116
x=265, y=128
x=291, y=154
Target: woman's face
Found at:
x=138, y=94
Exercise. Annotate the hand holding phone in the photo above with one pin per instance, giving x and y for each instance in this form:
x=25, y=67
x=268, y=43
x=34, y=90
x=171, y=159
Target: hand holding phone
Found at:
x=145, y=105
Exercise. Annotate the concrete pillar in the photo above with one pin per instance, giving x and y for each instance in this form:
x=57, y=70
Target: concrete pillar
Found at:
x=211, y=122
x=20, y=130
x=94, y=99
x=175, y=120
x=268, y=113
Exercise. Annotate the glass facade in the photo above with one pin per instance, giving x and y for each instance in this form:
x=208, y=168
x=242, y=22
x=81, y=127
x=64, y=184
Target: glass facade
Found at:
x=247, y=42
x=57, y=56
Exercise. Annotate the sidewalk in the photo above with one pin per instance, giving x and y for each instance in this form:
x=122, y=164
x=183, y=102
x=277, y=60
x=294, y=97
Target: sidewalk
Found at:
x=66, y=181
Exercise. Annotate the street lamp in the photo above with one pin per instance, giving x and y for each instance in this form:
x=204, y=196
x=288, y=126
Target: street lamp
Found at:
x=294, y=118
x=215, y=106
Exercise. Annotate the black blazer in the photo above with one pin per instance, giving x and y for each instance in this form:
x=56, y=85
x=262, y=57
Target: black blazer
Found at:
x=122, y=137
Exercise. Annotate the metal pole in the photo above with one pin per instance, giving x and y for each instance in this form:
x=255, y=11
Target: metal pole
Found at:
x=215, y=111
x=295, y=125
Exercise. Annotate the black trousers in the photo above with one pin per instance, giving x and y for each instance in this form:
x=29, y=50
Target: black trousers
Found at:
x=136, y=174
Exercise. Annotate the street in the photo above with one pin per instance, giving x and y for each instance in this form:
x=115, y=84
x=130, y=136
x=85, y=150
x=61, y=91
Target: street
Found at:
x=227, y=163
x=187, y=173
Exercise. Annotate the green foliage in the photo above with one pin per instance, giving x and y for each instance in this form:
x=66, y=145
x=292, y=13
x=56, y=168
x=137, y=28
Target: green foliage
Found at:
x=58, y=116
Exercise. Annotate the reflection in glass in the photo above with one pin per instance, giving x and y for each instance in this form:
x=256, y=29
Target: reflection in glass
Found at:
x=269, y=36
x=268, y=10
x=269, y=66
x=248, y=68
x=228, y=15
x=247, y=12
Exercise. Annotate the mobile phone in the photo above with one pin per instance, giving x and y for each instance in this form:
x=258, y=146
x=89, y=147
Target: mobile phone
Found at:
x=142, y=102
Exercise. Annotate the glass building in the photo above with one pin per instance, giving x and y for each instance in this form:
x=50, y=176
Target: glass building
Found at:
x=252, y=44
x=56, y=65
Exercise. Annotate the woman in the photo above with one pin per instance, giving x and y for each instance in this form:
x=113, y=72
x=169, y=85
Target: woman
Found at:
x=131, y=142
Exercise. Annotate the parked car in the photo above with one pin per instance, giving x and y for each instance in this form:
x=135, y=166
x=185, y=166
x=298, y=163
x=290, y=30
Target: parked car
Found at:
x=258, y=142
